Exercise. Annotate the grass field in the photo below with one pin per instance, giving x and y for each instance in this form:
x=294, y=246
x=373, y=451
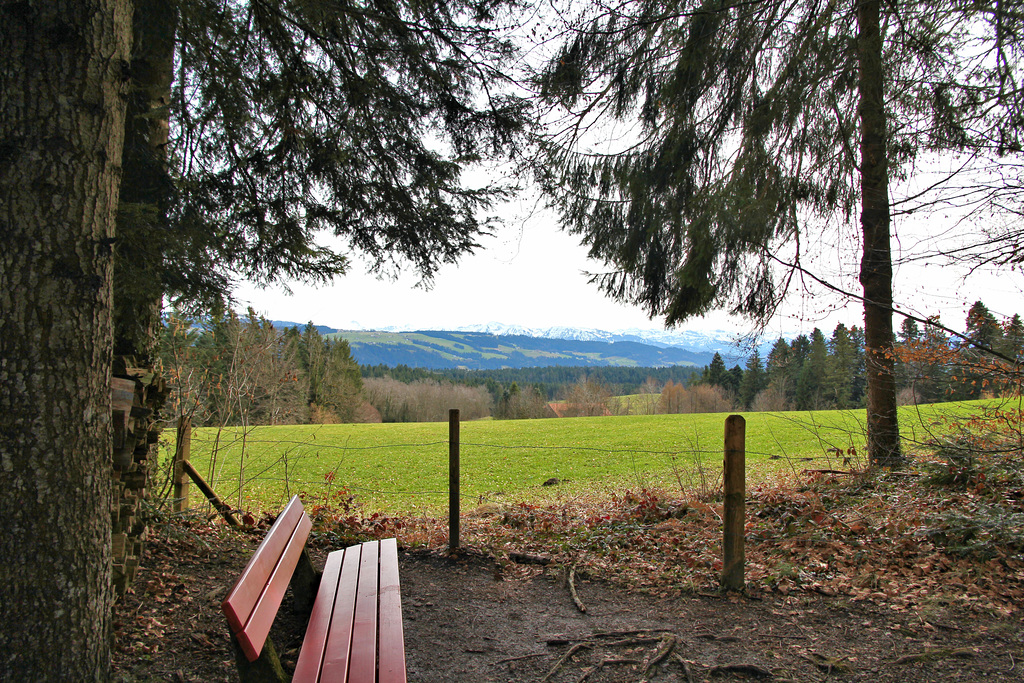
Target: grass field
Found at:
x=403, y=468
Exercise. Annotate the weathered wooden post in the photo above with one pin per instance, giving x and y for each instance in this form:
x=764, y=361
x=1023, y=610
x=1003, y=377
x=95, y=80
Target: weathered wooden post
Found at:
x=453, y=480
x=735, y=503
x=179, y=477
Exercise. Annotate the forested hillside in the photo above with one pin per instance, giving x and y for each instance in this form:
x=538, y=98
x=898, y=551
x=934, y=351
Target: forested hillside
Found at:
x=478, y=351
x=229, y=370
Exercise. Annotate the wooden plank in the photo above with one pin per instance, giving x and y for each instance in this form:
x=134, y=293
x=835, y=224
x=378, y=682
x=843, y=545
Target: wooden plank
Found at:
x=262, y=618
x=239, y=603
x=363, y=667
x=391, y=664
x=339, y=639
x=311, y=656
x=223, y=508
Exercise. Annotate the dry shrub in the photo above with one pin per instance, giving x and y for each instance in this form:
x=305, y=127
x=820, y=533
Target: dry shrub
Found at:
x=319, y=415
x=771, y=400
x=367, y=414
x=703, y=398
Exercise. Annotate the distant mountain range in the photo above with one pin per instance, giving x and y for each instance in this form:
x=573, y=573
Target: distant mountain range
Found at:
x=497, y=345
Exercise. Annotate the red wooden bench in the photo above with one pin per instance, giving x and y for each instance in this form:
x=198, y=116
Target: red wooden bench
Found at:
x=355, y=627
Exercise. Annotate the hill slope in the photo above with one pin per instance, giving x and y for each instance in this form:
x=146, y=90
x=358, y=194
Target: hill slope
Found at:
x=481, y=351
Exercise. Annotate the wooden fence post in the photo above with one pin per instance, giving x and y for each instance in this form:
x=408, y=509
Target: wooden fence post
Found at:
x=735, y=503
x=180, y=479
x=453, y=480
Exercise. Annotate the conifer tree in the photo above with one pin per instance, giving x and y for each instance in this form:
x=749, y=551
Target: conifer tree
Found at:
x=842, y=368
x=62, y=113
x=754, y=380
x=753, y=125
x=258, y=128
x=716, y=374
x=1013, y=337
x=985, y=333
x=778, y=370
x=810, y=385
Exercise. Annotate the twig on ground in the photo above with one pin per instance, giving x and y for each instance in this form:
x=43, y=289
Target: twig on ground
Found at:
x=619, y=634
x=516, y=659
x=572, y=590
x=936, y=654
x=565, y=658
x=632, y=642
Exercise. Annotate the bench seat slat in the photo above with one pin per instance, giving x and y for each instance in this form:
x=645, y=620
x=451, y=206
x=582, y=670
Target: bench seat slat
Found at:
x=242, y=598
x=392, y=640
x=311, y=656
x=332, y=654
x=257, y=628
x=363, y=667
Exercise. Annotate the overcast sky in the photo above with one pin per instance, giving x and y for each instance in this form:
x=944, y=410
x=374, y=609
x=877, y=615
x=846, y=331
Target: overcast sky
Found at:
x=532, y=274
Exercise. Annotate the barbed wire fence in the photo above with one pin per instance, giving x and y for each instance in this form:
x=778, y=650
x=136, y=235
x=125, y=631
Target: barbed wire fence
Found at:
x=255, y=472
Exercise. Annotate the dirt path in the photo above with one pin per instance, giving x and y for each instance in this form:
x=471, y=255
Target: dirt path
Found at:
x=467, y=621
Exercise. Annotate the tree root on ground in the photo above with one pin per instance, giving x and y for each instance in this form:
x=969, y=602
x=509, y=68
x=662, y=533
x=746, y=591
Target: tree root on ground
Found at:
x=668, y=643
x=607, y=661
x=935, y=654
x=572, y=590
x=565, y=658
x=747, y=669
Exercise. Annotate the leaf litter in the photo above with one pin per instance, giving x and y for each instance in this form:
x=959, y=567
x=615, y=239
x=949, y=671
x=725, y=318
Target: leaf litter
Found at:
x=883, y=577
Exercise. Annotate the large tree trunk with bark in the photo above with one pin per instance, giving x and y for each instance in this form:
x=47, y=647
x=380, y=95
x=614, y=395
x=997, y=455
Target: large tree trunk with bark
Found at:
x=876, y=264
x=147, y=189
x=62, y=75
x=142, y=232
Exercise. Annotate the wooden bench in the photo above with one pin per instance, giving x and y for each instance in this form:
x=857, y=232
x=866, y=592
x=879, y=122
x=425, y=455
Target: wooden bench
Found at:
x=354, y=633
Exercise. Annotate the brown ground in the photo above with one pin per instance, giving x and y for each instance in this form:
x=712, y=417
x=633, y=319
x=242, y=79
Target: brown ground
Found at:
x=468, y=620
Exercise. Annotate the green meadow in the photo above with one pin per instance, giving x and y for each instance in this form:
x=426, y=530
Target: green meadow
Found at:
x=403, y=468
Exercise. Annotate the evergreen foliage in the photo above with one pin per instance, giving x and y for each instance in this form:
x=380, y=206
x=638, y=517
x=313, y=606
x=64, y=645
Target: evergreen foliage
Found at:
x=292, y=120
x=751, y=126
x=754, y=381
x=234, y=371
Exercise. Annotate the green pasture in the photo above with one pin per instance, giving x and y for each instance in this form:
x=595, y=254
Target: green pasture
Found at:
x=404, y=467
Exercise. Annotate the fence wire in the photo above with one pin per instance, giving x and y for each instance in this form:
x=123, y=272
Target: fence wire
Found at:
x=251, y=470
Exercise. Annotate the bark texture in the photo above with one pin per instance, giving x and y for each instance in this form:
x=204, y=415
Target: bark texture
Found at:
x=142, y=234
x=147, y=187
x=876, y=264
x=62, y=100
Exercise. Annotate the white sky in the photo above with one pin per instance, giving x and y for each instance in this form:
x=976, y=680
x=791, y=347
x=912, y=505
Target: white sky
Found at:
x=531, y=274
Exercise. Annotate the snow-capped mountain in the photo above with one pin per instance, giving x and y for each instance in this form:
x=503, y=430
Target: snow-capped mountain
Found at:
x=711, y=340
x=699, y=341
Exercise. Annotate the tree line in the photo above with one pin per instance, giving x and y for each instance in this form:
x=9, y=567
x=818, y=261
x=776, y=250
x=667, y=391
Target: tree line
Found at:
x=815, y=372
x=228, y=370
x=231, y=370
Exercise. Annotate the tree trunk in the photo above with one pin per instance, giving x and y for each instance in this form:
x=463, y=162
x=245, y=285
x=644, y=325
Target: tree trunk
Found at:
x=876, y=265
x=138, y=267
x=146, y=193
x=62, y=75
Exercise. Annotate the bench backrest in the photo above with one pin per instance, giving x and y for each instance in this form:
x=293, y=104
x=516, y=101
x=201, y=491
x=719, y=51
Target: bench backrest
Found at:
x=253, y=602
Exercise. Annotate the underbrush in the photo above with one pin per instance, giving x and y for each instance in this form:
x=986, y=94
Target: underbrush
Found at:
x=948, y=530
